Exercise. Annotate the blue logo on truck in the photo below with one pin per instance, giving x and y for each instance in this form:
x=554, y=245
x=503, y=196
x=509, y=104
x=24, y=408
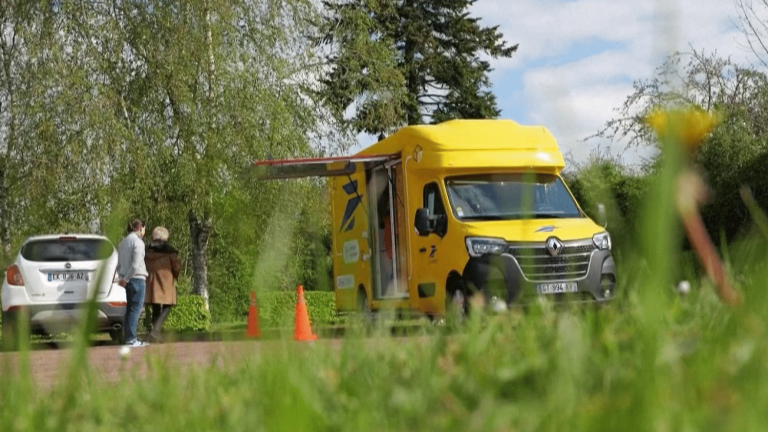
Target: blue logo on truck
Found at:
x=348, y=221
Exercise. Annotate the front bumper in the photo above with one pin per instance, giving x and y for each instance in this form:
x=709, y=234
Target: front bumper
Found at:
x=515, y=276
x=57, y=318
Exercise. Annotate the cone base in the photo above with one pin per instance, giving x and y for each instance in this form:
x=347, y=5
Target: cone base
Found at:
x=252, y=331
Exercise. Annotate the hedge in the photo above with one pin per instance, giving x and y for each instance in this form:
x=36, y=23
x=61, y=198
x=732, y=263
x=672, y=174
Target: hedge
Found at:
x=189, y=315
x=278, y=308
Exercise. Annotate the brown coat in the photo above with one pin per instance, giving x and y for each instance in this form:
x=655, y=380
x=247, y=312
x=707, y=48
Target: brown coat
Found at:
x=163, y=266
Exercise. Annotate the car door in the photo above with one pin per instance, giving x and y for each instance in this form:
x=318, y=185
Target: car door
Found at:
x=352, y=252
x=428, y=277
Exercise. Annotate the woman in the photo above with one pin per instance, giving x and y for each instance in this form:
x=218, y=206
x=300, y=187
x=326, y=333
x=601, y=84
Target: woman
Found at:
x=163, y=266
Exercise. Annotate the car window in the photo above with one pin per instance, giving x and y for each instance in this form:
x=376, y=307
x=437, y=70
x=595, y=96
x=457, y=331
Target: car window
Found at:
x=67, y=250
x=434, y=204
x=432, y=200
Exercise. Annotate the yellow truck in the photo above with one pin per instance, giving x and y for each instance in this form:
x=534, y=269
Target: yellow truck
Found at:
x=434, y=214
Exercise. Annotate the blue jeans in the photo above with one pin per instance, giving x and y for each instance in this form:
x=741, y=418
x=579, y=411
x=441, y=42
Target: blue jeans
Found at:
x=134, y=295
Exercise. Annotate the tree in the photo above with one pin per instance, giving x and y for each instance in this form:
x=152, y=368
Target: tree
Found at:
x=112, y=109
x=54, y=155
x=739, y=96
x=709, y=82
x=10, y=51
x=753, y=22
x=397, y=62
x=211, y=86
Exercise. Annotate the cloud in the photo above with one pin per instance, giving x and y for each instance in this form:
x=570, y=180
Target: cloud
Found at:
x=577, y=59
x=547, y=29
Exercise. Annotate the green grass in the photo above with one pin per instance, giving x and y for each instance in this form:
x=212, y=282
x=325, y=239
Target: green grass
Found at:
x=689, y=364
x=651, y=361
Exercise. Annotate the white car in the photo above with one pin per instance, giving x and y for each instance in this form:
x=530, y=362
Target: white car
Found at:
x=51, y=281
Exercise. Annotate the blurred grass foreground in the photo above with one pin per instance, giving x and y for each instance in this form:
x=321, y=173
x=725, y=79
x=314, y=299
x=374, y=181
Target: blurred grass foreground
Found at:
x=655, y=359
x=673, y=363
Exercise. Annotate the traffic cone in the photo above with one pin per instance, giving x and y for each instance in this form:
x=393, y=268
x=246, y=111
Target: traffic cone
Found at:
x=302, y=329
x=253, y=319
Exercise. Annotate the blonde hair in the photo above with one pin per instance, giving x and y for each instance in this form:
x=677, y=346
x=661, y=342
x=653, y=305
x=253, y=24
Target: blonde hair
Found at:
x=160, y=233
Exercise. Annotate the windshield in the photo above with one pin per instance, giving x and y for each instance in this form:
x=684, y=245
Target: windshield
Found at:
x=87, y=249
x=510, y=196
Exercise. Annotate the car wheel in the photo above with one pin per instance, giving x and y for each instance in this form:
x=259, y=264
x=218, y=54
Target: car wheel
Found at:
x=11, y=337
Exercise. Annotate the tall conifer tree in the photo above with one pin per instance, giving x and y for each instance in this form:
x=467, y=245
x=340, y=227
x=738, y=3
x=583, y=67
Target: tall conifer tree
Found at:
x=396, y=62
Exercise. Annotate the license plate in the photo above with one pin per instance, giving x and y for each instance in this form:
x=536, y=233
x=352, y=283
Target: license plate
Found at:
x=557, y=288
x=68, y=276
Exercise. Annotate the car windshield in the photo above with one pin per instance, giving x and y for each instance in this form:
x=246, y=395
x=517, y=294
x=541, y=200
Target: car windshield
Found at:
x=510, y=196
x=67, y=249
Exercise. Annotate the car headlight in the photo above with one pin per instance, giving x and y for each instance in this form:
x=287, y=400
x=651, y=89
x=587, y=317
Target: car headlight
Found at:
x=479, y=246
x=602, y=241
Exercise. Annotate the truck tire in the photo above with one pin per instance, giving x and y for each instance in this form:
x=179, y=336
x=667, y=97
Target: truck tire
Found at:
x=364, y=310
x=456, y=301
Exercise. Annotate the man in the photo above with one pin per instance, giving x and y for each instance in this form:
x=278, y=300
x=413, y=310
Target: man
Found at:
x=133, y=276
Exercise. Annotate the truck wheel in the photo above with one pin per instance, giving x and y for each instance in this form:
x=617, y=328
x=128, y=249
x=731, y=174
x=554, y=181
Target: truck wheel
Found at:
x=456, y=302
x=364, y=310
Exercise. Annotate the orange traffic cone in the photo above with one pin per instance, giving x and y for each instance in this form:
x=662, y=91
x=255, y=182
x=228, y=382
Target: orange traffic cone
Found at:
x=253, y=319
x=302, y=329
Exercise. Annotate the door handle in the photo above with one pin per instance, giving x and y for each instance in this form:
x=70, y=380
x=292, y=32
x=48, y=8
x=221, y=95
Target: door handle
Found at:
x=422, y=250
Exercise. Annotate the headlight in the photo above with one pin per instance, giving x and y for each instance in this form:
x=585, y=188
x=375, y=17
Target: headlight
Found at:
x=602, y=241
x=479, y=246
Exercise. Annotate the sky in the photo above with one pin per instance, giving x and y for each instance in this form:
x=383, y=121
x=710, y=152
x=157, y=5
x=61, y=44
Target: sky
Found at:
x=577, y=59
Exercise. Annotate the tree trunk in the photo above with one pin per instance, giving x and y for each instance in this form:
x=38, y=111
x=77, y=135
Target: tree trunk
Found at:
x=211, y=61
x=5, y=238
x=199, y=232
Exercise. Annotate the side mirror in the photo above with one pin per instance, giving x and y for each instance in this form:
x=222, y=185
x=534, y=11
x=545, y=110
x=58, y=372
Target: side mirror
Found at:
x=602, y=219
x=422, y=222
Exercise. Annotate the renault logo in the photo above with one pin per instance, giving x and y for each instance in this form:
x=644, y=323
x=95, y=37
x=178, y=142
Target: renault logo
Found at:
x=554, y=246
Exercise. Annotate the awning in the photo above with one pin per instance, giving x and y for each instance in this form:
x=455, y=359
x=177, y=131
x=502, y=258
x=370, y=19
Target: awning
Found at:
x=314, y=167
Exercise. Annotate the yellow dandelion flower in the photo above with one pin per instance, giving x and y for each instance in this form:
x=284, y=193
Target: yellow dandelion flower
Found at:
x=686, y=126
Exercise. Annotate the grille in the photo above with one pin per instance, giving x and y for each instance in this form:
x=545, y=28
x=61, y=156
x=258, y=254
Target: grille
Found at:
x=539, y=266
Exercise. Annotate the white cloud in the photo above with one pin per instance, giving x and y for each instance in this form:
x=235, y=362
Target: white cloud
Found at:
x=552, y=28
x=578, y=59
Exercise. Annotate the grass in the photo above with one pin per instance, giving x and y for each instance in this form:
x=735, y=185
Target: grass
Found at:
x=688, y=364
x=654, y=360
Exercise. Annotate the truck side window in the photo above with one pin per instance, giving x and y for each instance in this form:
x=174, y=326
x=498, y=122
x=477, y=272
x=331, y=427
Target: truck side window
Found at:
x=434, y=203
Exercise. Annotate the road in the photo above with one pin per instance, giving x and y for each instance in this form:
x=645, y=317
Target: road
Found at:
x=49, y=362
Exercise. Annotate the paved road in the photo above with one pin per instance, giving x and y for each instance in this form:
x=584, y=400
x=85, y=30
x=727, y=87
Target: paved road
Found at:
x=48, y=362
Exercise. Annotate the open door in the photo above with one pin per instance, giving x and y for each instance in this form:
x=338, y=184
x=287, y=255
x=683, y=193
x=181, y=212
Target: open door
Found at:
x=385, y=192
x=355, y=254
